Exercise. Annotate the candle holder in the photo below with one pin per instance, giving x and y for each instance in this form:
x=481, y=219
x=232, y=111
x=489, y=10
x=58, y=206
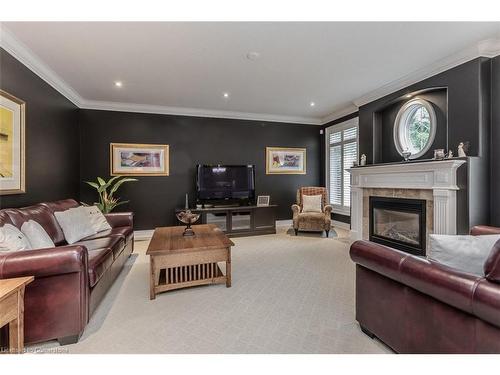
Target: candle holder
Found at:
x=188, y=218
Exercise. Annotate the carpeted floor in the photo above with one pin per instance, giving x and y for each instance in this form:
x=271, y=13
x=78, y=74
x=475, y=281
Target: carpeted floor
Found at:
x=289, y=295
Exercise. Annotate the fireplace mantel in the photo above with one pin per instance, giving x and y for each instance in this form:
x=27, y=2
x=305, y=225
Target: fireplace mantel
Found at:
x=438, y=176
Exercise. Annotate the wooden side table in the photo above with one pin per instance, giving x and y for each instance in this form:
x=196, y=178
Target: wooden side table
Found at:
x=12, y=310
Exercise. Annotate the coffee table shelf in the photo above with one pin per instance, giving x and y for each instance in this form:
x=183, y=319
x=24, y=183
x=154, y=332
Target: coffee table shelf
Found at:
x=181, y=262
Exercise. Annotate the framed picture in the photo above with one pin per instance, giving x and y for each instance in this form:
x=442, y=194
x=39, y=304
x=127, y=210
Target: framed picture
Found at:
x=130, y=159
x=282, y=160
x=12, y=139
x=263, y=200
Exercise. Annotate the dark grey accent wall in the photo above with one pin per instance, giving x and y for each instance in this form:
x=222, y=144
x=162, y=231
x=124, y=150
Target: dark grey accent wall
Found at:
x=462, y=98
x=52, y=157
x=192, y=141
x=495, y=141
x=465, y=120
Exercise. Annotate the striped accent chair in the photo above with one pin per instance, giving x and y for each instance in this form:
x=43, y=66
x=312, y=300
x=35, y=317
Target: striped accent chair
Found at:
x=312, y=221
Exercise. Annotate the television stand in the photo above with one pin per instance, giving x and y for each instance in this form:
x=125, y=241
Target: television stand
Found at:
x=228, y=205
x=238, y=221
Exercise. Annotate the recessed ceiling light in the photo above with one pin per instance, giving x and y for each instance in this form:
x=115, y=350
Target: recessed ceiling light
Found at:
x=253, y=55
x=225, y=95
x=118, y=83
x=312, y=104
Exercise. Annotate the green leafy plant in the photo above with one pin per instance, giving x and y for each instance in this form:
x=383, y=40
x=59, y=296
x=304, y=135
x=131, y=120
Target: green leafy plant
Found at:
x=105, y=190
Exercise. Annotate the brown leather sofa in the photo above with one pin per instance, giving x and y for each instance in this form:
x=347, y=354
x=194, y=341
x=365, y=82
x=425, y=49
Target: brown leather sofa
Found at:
x=70, y=280
x=415, y=305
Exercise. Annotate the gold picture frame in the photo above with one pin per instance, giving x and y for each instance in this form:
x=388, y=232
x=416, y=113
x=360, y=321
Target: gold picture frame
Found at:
x=139, y=159
x=12, y=144
x=286, y=160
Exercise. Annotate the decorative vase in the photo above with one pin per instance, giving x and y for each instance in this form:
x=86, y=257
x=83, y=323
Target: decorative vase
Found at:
x=188, y=218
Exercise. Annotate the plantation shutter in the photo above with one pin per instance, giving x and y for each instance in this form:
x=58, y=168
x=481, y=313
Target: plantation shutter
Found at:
x=342, y=147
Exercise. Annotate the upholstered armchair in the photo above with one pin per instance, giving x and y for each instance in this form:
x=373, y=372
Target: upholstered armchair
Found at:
x=312, y=221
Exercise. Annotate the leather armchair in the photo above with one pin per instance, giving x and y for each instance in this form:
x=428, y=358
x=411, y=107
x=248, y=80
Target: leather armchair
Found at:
x=312, y=221
x=416, y=305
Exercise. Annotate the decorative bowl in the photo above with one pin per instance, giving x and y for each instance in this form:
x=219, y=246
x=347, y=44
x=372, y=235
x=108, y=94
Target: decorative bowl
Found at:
x=188, y=218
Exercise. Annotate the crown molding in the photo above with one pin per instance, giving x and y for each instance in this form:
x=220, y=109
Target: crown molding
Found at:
x=195, y=112
x=22, y=53
x=351, y=108
x=486, y=48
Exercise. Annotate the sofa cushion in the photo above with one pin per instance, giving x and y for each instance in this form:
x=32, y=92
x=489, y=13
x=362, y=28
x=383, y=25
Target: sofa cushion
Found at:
x=99, y=262
x=38, y=238
x=465, y=253
x=42, y=215
x=75, y=224
x=492, y=264
x=98, y=220
x=125, y=232
x=115, y=243
x=12, y=239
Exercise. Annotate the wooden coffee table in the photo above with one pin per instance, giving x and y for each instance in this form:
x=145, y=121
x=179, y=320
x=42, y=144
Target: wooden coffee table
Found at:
x=180, y=262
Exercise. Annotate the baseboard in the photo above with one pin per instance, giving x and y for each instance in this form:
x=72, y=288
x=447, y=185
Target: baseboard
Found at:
x=284, y=223
x=341, y=224
x=143, y=235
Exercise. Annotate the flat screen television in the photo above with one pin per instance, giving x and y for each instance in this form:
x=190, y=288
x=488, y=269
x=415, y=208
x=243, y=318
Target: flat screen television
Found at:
x=233, y=183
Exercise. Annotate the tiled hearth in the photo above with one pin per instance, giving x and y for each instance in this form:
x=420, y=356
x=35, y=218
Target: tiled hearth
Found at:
x=434, y=181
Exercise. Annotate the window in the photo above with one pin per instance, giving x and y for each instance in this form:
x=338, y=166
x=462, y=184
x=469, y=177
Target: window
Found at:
x=415, y=128
x=342, y=152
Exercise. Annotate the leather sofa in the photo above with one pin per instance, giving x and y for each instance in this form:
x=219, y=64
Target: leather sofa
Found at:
x=415, y=305
x=70, y=280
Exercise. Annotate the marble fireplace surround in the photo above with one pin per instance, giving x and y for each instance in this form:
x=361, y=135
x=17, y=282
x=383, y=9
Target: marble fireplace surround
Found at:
x=434, y=181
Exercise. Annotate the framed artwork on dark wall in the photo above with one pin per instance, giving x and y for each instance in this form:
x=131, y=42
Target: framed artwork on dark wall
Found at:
x=284, y=160
x=131, y=159
x=12, y=144
x=263, y=200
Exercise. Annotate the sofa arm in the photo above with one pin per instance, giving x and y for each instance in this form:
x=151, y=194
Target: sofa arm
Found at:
x=44, y=262
x=479, y=230
x=446, y=284
x=120, y=219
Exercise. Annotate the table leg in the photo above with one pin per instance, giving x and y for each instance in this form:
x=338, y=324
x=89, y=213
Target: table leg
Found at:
x=152, y=280
x=228, y=268
x=16, y=327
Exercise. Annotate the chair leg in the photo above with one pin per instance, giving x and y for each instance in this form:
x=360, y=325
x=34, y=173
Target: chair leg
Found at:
x=327, y=232
x=296, y=231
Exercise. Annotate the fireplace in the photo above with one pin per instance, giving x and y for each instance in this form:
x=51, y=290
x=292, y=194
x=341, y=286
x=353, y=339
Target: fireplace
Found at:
x=398, y=223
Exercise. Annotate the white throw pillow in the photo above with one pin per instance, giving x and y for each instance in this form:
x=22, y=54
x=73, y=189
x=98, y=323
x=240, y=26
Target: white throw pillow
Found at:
x=311, y=203
x=37, y=236
x=98, y=220
x=75, y=224
x=12, y=239
x=466, y=253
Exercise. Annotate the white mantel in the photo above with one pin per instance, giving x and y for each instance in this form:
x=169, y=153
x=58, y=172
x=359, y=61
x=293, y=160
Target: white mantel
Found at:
x=438, y=176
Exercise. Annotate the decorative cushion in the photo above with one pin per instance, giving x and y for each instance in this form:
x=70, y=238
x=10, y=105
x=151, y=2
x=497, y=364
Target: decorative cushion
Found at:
x=12, y=239
x=466, y=253
x=37, y=236
x=311, y=203
x=98, y=220
x=492, y=264
x=75, y=223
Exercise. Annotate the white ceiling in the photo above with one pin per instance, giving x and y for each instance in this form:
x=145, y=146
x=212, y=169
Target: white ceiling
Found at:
x=185, y=67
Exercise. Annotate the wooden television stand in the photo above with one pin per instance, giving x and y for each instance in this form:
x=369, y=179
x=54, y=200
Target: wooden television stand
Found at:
x=238, y=221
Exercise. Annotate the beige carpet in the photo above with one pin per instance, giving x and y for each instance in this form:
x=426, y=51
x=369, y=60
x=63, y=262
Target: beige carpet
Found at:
x=289, y=295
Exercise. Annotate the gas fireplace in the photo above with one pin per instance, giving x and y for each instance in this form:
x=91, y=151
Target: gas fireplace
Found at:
x=398, y=223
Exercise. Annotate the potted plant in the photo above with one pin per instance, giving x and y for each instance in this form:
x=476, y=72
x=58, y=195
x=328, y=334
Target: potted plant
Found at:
x=105, y=190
